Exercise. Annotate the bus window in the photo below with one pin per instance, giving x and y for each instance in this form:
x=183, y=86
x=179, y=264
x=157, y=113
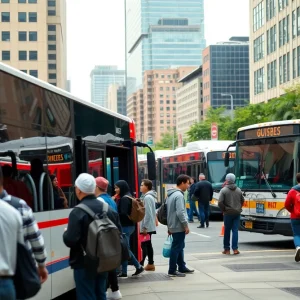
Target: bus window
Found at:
x=95, y=162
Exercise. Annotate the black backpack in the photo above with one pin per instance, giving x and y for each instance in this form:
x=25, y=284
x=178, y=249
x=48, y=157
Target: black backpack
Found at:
x=162, y=213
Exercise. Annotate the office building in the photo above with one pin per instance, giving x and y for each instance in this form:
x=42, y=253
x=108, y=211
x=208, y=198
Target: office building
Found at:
x=162, y=35
x=226, y=74
x=101, y=78
x=189, y=102
x=117, y=98
x=153, y=108
x=33, y=38
x=275, y=47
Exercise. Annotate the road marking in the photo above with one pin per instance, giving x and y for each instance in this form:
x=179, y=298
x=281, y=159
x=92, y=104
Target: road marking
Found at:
x=203, y=235
x=246, y=251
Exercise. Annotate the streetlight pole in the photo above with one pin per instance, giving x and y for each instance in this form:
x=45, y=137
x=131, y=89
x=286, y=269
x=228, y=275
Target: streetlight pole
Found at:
x=231, y=98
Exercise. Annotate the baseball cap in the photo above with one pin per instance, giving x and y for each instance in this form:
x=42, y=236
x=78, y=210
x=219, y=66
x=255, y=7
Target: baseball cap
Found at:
x=102, y=183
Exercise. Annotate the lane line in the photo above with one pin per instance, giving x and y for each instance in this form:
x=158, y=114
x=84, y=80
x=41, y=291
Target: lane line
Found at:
x=203, y=235
x=245, y=251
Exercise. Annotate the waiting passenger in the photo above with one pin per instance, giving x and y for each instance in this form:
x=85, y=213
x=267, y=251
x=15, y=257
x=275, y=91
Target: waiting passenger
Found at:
x=60, y=200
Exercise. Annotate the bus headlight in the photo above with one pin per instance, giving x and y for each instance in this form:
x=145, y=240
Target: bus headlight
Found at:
x=283, y=213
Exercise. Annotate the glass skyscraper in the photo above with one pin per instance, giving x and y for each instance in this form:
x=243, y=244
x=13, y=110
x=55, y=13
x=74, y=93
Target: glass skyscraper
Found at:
x=162, y=34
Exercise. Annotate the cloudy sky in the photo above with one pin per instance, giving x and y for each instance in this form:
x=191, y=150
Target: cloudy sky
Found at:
x=95, y=34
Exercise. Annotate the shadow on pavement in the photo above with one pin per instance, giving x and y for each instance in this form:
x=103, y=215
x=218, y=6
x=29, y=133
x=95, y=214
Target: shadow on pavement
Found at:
x=286, y=244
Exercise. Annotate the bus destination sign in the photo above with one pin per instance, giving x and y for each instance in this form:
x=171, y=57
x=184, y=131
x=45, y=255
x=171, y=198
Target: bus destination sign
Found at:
x=219, y=155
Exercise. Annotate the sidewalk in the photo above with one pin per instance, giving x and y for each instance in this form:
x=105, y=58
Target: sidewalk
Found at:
x=258, y=275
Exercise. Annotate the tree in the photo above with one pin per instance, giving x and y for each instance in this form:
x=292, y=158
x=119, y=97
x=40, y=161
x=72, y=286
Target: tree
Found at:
x=166, y=141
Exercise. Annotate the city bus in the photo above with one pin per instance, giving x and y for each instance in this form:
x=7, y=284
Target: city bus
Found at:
x=267, y=160
x=45, y=130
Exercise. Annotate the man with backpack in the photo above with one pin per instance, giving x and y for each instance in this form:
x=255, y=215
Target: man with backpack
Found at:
x=292, y=204
x=87, y=255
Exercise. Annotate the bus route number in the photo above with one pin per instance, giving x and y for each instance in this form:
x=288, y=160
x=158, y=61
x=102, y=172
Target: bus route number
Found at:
x=231, y=155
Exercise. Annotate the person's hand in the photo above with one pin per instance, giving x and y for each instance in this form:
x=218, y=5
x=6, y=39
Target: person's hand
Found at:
x=169, y=233
x=66, y=203
x=144, y=231
x=187, y=230
x=43, y=273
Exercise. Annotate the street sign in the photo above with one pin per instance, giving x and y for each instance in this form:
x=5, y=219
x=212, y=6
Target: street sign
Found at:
x=214, y=131
x=150, y=141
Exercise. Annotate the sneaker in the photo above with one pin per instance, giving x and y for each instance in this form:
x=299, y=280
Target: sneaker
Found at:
x=297, y=254
x=150, y=267
x=191, y=221
x=138, y=271
x=114, y=295
x=201, y=226
x=207, y=224
x=122, y=275
x=187, y=271
x=176, y=274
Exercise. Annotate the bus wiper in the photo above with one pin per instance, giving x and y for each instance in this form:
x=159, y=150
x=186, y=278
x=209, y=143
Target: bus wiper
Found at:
x=267, y=183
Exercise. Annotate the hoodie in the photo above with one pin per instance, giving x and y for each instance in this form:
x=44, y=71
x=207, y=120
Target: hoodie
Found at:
x=148, y=223
x=231, y=199
x=124, y=204
x=290, y=200
x=177, y=217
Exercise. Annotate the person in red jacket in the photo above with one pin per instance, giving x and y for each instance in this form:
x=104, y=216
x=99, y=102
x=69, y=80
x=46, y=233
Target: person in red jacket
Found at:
x=295, y=219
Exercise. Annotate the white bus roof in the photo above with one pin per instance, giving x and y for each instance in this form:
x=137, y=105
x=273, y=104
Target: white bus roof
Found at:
x=208, y=144
x=269, y=124
x=54, y=89
x=161, y=153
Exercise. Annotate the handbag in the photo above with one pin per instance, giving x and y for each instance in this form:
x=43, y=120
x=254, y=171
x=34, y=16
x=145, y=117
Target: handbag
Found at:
x=145, y=238
x=167, y=247
x=26, y=279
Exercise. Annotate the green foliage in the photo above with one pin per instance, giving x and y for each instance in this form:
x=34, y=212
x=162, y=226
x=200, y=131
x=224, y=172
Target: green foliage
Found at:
x=166, y=141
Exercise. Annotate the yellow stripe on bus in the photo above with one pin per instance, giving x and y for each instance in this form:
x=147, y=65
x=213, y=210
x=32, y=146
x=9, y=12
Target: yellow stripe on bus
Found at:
x=267, y=204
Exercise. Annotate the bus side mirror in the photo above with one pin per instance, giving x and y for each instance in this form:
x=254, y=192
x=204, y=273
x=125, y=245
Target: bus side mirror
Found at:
x=151, y=166
x=226, y=159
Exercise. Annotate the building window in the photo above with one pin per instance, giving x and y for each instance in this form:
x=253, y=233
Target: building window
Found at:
x=22, y=55
x=294, y=63
x=51, y=3
x=284, y=68
x=298, y=61
x=33, y=55
x=24, y=71
x=298, y=20
x=284, y=36
x=52, y=66
x=32, y=1
x=33, y=73
x=51, y=37
x=51, y=27
x=21, y=1
x=294, y=24
x=259, y=81
x=271, y=9
x=4, y=1
x=5, y=55
x=259, y=48
x=272, y=74
x=53, y=83
x=282, y=4
x=5, y=16
x=258, y=16
x=52, y=56
x=271, y=40
x=32, y=16
x=32, y=36
x=52, y=76
x=22, y=36
x=22, y=16
x=161, y=121
x=5, y=36
x=51, y=12
x=51, y=47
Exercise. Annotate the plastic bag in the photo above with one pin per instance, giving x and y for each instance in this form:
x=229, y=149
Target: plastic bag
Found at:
x=145, y=238
x=167, y=247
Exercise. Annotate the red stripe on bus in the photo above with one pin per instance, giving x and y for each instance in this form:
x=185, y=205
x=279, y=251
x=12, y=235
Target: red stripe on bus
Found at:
x=53, y=223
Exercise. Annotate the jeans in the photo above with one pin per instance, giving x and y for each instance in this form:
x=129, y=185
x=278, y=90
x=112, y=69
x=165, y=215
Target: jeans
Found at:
x=203, y=212
x=147, y=251
x=177, y=254
x=7, y=289
x=112, y=281
x=88, y=288
x=192, y=210
x=231, y=223
x=296, y=231
x=128, y=231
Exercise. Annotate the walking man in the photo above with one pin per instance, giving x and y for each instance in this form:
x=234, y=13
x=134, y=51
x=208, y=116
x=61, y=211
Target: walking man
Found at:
x=204, y=193
x=231, y=201
x=178, y=226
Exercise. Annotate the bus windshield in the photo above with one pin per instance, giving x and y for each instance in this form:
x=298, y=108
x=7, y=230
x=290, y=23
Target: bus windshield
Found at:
x=265, y=163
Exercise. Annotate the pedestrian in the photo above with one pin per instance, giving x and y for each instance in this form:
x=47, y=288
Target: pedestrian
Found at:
x=231, y=201
x=10, y=234
x=204, y=193
x=89, y=286
x=193, y=208
x=102, y=195
x=178, y=226
x=148, y=224
x=292, y=204
x=124, y=205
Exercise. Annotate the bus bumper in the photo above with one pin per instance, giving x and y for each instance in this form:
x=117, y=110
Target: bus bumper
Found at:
x=266, y=225
x=215, y=209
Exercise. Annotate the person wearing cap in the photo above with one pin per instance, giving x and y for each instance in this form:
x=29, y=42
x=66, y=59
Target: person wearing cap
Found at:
x=101, y=194
x=88, y=286
x=231, y=201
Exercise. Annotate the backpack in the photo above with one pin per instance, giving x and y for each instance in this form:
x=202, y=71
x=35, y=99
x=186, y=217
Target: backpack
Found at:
x=103, y=248
x=137, y=210
x=162, y=214
x=297, y=205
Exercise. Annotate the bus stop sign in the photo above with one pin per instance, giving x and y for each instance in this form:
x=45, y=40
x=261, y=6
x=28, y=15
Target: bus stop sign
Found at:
x=214, y=131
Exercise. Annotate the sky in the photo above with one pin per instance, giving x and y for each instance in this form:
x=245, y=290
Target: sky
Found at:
x=96, y=34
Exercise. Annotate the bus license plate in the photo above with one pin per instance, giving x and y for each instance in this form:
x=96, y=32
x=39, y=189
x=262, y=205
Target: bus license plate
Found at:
x=260, y=208
x=248, y=225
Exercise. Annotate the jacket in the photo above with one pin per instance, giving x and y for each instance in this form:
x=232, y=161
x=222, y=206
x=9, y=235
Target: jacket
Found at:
x=148, y=222
x=204, y=191
x=108, y=200
x=191, y=190
x=124, y=204
x=231, y=200
x=290, y=200
x=75, y=237
x=176, y=217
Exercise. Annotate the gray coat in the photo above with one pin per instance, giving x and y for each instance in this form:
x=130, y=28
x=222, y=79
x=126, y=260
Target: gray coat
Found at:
x=148, y=222
x=231, y=200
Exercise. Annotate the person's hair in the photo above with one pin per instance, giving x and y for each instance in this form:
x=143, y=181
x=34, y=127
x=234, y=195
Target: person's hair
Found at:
x=52, y=177
x=147, y=183
x=182, y=179
x=195, y=180
x=298, y=177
